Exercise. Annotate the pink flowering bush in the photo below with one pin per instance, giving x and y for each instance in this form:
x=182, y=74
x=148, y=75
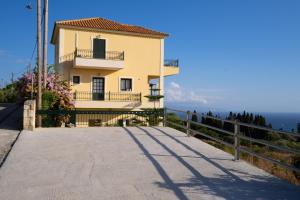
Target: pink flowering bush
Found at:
x=60, y=89
x=56, y=96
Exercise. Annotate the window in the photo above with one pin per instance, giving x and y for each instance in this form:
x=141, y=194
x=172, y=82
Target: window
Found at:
x=126, y=84
x=76, y=80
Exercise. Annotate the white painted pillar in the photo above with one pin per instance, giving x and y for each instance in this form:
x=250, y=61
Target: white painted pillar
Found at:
x=161, y=78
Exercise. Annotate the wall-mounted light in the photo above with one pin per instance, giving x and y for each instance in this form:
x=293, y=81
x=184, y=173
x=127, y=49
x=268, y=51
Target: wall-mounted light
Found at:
x=28, y=6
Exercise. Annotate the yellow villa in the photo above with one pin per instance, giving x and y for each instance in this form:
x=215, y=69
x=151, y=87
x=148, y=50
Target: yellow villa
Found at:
x=110, y=65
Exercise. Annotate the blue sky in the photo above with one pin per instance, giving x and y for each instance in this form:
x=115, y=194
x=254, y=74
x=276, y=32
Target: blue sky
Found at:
x=234, y=54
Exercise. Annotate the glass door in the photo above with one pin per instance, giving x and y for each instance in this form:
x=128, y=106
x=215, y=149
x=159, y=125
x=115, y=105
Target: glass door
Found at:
x=99, y=48
x=98, y=88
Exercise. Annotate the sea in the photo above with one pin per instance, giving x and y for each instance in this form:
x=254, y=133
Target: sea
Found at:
x=284, y=121
x=280, y=121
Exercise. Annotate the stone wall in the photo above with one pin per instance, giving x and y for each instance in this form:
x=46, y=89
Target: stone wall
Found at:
x=29, y=115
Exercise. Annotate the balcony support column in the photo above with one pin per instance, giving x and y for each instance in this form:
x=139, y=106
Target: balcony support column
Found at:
x=161, y=77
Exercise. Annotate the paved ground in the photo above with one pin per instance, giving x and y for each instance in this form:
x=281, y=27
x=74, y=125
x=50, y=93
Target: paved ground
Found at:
x=10, y=124
x=129, y=163
x=6, y=108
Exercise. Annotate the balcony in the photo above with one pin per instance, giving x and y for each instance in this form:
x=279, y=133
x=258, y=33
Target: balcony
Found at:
x=107, y=96
x=171, y=63
x=107, y=100
x=88, y=59
x=171, y=67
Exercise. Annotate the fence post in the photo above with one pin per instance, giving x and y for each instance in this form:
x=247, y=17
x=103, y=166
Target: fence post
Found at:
x=188, y=124
x=29, y=115
x=75, y=117
x=236, y=141
x=140, y=97
x=75, y=95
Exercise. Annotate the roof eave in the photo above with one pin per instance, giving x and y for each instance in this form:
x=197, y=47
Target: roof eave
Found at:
x=53, y=37
x=161, y=36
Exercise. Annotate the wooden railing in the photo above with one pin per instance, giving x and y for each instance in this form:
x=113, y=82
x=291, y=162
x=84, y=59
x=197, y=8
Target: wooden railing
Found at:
x=237, y=135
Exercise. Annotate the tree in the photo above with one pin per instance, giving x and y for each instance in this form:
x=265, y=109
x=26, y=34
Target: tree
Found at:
x=194, y=116
x=9, y=94
x=194, y=119
x=298, y=127
x=211, y=121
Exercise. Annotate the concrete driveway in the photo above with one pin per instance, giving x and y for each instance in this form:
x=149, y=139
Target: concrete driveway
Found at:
x=129, y=163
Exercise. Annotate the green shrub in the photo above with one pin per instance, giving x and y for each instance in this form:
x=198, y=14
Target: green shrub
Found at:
x=49, y=98
x=296, y=163
x=8, y=94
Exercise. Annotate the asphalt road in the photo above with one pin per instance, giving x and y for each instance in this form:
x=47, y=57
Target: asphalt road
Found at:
x=10, y=125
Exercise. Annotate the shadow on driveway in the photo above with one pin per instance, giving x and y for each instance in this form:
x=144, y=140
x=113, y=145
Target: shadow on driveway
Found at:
x=228, y=185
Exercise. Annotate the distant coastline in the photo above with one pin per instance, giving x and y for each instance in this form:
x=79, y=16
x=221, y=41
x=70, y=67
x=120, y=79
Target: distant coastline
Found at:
x=280, y=121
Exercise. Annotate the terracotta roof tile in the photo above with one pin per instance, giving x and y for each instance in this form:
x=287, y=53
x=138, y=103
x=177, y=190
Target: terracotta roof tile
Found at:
x=105, y=24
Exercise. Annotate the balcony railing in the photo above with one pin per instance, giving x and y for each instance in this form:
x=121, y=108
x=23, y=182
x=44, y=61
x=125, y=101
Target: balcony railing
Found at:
x=108, y=96
x=172, y=63
x=108, y=55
